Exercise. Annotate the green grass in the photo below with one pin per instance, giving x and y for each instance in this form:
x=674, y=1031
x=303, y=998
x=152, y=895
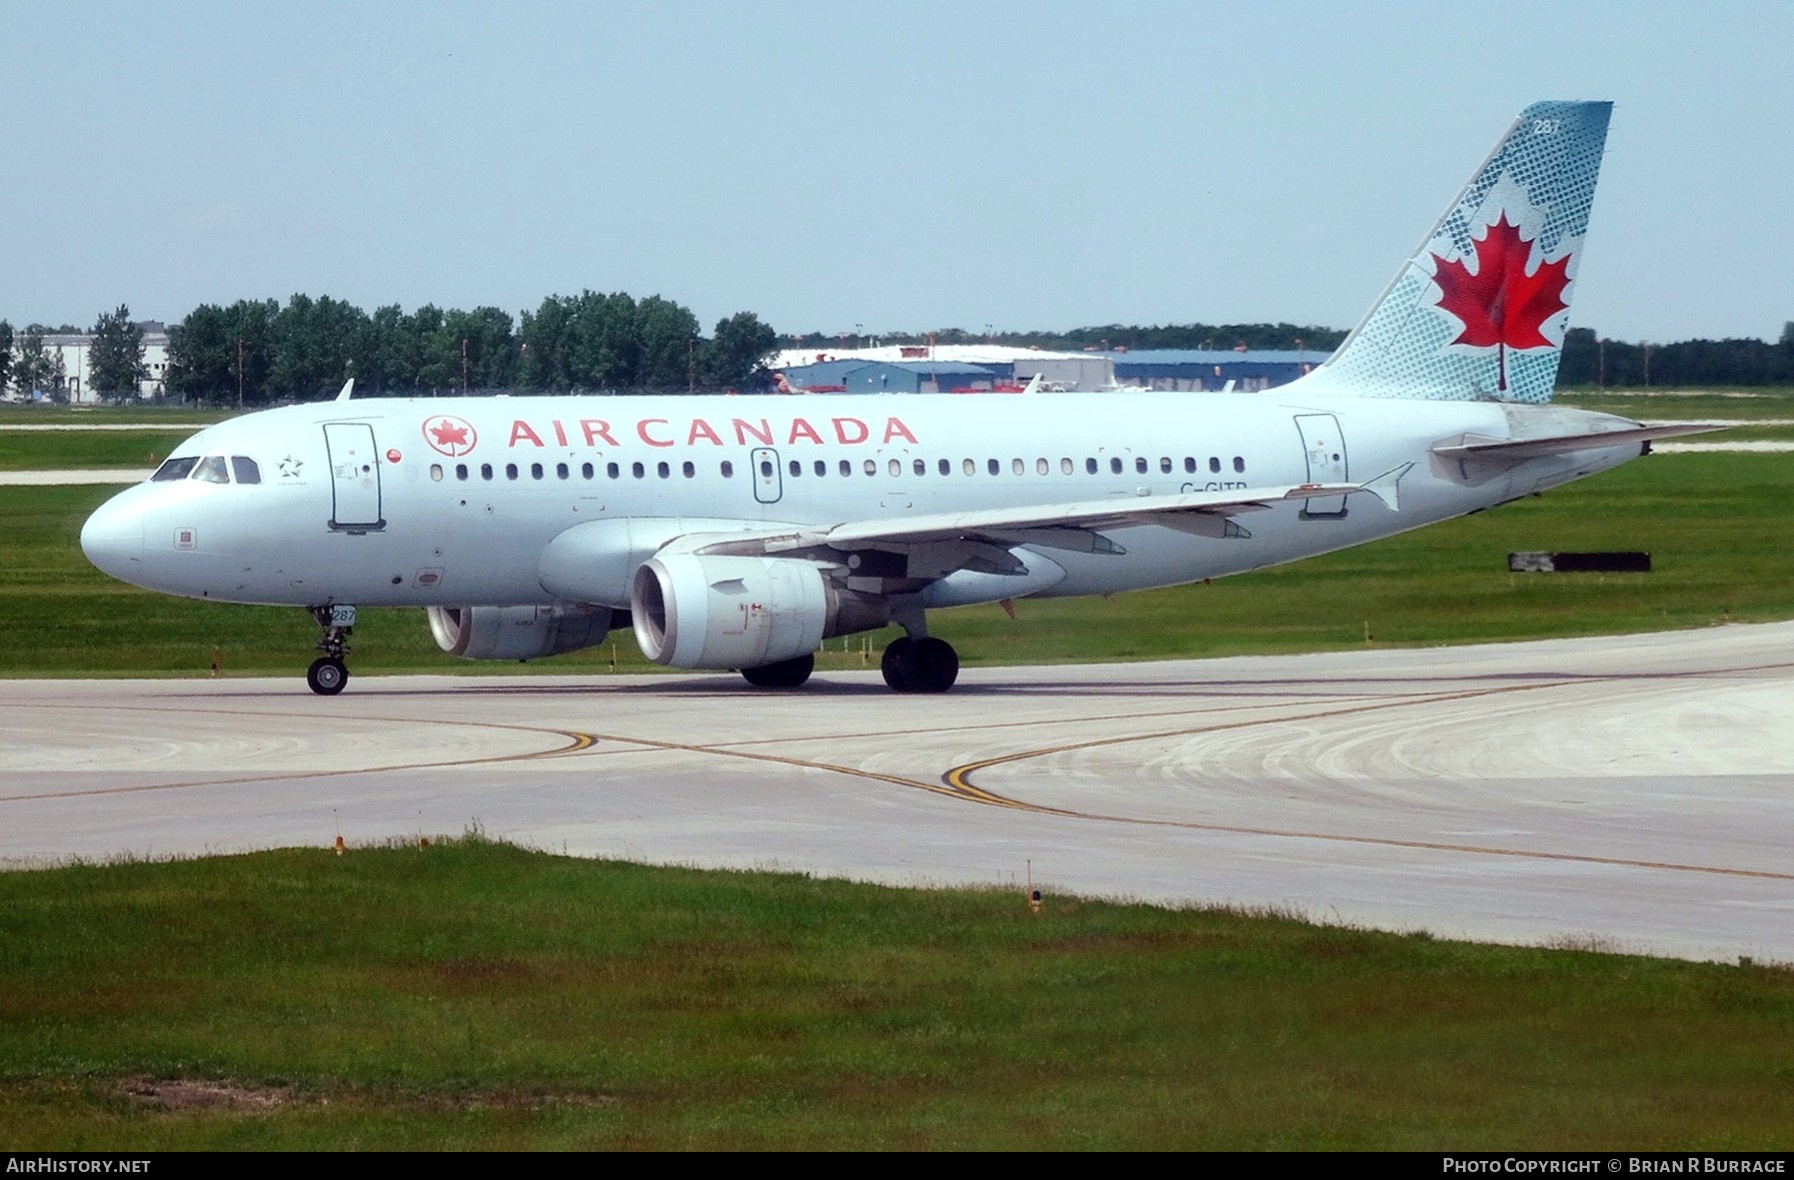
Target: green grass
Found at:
x=476, y=995
x=56, y=450
x=1719, y=527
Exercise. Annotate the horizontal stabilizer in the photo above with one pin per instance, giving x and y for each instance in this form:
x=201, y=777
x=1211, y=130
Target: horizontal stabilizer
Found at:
x=1482, y=447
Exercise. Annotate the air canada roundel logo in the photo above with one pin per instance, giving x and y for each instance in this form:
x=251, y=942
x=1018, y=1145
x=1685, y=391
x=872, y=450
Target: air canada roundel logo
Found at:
x=449, y=435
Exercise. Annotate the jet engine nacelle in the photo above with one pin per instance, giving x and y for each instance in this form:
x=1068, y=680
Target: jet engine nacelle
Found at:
x=516, y=632
x=696, y=611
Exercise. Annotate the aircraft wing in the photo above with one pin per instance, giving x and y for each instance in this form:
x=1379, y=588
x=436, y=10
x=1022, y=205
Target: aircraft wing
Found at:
x=980, y=536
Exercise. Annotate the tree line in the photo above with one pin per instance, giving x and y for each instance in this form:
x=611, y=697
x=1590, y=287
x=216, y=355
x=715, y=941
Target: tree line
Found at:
x=262, y=351
x=1588, y=359
x=265, y=351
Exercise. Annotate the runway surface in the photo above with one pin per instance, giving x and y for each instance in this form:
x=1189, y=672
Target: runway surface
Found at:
x=1630, y=793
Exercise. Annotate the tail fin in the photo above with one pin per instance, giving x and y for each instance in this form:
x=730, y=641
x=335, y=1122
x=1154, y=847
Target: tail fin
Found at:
x=1479, y=311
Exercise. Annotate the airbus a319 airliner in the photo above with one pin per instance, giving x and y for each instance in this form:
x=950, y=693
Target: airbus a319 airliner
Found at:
x=739, y=533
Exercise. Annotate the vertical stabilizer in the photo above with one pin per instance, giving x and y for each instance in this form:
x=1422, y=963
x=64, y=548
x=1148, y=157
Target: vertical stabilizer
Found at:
x=1479, y=311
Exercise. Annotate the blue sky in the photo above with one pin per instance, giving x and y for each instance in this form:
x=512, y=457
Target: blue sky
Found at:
x=901, y=166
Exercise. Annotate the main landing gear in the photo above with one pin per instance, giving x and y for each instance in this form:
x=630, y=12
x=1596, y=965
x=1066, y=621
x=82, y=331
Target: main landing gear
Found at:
x=911, y=664
x=920, y=664
x=328, y=673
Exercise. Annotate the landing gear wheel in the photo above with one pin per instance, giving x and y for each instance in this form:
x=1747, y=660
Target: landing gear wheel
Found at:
x=936, y=665
x=327, y=676
x=896, y=664
x=784, y=674
x=920, y=665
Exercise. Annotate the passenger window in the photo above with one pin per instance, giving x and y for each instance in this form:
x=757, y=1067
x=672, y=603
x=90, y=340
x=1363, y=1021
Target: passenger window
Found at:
x=795, y=467
x=896, y=467
x=871, y=466
x=535, y=471
x=1214, y=464
x=1239, y=464
x=211, y=470
x=970, y=467
x=561, y=470
x=821, y=467
x=1140, y=465
x=1017, y=466
x=728, y=469
x=662, y=469
x=1090, y=466
x=766, y=468
x=1065, y=467
x=174, y=469
x=435, y=474
x=637, y=470
x=612, y=470
x=1040, y=466
x=994, y=467
x=1115, y=465
x=248, y=471
x=846, y=467
x=921, y=467
x=586, y=471
x=510, y=471
x=1165, y=464
x=688, y=469
x=460, y=471
x=946, y=467
x=485, y=471
x=1189, y=465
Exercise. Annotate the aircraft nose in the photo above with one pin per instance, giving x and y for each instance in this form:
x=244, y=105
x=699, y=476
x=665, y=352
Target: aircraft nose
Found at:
x=112, y=538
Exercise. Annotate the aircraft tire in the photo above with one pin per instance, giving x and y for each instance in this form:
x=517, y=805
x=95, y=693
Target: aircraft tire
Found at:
x=327, y=675
x=934, y=666
x=920, y=665
x=784, y=674
x=897, y=665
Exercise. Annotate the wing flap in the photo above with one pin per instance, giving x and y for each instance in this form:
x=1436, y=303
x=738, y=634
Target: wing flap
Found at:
x=1074, y=525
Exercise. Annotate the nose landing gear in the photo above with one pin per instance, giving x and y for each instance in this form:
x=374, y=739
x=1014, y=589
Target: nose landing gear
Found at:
x=328, y=673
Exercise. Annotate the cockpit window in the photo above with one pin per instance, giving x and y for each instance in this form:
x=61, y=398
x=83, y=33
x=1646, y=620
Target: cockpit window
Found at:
x=245, y=469
x=175, y=468
x=211, y=470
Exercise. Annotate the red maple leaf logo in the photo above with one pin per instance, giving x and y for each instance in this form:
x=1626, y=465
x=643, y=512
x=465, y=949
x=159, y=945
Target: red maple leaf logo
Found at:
x=450, y=436
x=1501, y=306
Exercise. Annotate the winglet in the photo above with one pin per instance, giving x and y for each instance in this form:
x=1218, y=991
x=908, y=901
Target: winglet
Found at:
x=348, y=388
x=1035, y=382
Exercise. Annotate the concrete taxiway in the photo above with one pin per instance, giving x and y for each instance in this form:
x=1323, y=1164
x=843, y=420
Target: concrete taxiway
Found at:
x=1631, y=793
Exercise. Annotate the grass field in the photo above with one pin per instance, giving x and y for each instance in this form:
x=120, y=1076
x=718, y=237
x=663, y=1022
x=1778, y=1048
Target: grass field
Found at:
x=474, y=995
x=1719, y=527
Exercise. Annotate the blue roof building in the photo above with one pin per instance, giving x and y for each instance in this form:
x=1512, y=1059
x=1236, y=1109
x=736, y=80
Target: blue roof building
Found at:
x=1249, y=369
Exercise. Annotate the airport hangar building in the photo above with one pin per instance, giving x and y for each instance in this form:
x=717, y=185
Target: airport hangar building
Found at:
x=990, y=368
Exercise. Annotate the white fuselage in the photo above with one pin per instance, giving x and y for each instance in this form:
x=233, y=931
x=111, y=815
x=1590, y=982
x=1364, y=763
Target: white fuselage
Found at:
x=421, y=502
